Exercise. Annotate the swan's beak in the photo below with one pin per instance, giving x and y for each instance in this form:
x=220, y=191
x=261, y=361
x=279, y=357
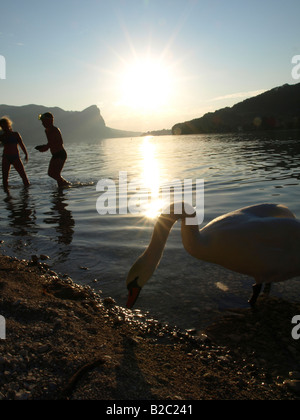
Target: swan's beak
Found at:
x=134, y=291
x=132, y=296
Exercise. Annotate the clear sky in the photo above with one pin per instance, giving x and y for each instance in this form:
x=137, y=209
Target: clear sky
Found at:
x=147, y=64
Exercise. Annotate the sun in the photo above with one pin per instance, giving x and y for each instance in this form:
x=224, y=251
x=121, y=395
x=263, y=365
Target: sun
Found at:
x=146, y=84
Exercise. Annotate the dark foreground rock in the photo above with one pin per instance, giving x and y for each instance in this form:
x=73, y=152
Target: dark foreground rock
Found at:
x=64, y=341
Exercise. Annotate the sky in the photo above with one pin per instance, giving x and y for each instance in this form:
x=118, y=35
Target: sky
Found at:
x=147, y=64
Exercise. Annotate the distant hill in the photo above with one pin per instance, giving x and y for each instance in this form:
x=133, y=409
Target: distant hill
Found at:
x=164, y=132
x=278, y=108
x=76, y=126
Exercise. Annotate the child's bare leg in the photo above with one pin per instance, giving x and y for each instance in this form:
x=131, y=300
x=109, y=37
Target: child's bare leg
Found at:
x=21, y=171
x=54, y=171
x=5, y=173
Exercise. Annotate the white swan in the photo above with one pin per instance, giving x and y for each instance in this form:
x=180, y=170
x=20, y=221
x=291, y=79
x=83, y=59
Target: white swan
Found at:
x=261, y=241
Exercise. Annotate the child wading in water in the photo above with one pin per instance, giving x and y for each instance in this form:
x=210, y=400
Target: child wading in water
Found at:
x=11, y=140
x=55, y=144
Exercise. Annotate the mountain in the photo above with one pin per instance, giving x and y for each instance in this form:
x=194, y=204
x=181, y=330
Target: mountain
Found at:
x=76, y=126
x=278, y=108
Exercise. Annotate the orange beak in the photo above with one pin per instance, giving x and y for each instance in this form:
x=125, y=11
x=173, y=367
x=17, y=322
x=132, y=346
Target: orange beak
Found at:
x=132, y=296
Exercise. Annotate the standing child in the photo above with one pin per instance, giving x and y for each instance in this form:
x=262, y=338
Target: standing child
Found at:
x=11, y=140
x=55, y=144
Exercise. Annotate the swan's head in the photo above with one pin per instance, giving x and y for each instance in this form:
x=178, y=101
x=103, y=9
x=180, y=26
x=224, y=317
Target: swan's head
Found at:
x=138, y=275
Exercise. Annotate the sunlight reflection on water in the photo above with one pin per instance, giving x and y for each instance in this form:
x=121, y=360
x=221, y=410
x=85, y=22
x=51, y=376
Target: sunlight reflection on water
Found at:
x=238, y=170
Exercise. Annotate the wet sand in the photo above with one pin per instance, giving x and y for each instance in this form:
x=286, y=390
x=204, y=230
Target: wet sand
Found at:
x=65, y=341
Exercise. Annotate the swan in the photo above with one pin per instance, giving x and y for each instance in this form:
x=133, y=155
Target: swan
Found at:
x=261, y=241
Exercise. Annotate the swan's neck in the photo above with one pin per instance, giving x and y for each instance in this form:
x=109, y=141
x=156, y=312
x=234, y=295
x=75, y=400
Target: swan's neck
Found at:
x=193, y=241
x=191, y=238
x=159, y=238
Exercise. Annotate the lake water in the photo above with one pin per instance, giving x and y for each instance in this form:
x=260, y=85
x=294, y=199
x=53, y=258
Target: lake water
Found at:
x=98, y=250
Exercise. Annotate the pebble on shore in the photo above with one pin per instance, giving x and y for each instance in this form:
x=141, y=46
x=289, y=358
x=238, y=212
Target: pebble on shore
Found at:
x=64, y=341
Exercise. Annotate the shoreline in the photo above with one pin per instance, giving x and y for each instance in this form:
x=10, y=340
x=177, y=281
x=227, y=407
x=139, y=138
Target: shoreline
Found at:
x=66, y=341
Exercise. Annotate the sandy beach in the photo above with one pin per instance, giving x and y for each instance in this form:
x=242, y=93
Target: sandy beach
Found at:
x=64, y=341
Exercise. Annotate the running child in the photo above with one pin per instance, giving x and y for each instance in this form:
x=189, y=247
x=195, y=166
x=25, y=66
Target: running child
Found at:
x=11, y=141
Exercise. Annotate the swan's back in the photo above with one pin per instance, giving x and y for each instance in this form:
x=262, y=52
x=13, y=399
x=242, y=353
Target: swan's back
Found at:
x=262, y=241
x=268, y=210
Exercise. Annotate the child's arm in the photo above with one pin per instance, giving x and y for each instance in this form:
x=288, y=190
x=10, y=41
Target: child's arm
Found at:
x=42, y=148
x=22, y=145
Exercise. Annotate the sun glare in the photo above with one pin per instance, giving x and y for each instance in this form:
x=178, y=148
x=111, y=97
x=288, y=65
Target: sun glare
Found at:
x=151, y=177
x=146, y=84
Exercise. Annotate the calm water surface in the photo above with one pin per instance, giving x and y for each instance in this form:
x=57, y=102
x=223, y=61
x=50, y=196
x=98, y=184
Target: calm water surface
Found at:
x=98, y=250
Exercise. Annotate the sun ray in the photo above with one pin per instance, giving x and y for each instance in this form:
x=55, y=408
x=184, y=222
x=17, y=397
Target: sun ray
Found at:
x=151, y=177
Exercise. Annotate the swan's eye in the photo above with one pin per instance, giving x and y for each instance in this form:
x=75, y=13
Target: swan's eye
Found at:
x=133, y=283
